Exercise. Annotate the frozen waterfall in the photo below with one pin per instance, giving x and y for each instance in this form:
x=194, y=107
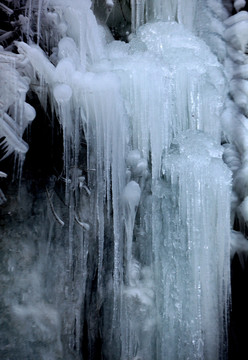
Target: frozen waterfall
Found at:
x=122, y=250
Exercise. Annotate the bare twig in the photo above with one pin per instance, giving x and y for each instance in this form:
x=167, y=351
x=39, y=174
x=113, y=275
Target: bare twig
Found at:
x=6, y=9
x=61, y=222
x=84, y=225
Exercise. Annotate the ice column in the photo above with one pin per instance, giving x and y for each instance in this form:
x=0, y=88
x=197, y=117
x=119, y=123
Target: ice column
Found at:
x=191, y=234
x=172, y=10
x=170, y=82
x=104, y=123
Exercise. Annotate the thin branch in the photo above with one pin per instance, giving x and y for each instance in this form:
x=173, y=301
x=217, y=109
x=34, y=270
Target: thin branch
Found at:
x=61, y=222
x=84, y=225
x=2, y=174
x=6, y=9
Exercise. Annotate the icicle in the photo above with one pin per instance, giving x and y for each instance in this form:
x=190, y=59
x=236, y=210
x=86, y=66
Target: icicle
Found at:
x=62, y=94
x=160, y=10
x=131, y=198
x=153, y=127
x=186, y=16
x=198, y=182
x=12, y=141
x=39, y=61
x=40, y=3
x=138, y=13
x=239, y=245
x=169, y=282
x=239, y=4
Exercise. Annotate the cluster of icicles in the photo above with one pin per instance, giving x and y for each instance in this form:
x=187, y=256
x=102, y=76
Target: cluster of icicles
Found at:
x=15, y=113
x=234, y=121
x=149, y=110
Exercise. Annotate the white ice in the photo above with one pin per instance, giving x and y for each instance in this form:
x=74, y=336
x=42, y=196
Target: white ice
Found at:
x=239, y=4
x=159, y=199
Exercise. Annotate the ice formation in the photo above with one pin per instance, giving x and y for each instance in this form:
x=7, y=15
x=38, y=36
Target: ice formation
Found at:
x=239, y=4
x=141, y=231
x=15, y=113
